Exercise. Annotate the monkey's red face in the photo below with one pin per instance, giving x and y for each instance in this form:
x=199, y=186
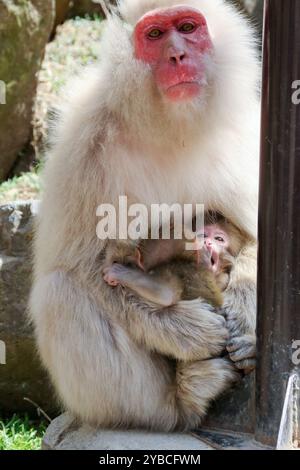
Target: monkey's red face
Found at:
x=175, y=42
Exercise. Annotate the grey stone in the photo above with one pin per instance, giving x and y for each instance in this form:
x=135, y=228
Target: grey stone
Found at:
x=64, y=433
x=21, y=376
x=25, y=28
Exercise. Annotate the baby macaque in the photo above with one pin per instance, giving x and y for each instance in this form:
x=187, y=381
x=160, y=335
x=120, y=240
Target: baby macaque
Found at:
x=165, y=272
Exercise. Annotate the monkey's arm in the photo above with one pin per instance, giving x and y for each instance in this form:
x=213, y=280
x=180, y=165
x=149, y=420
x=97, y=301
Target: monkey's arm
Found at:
x=186, y=331
x=150, y=288
x=240, y=309
x=200, y=282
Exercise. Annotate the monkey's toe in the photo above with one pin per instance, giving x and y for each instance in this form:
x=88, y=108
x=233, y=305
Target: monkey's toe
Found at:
x=242, y=349
x=110, y=280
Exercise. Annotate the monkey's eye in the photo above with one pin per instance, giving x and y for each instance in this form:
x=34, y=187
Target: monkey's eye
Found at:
x=187, y=28
x=220, y=239
x=155, y=33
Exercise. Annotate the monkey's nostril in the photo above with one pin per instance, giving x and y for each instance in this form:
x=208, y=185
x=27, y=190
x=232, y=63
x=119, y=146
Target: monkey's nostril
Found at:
x=177, y=58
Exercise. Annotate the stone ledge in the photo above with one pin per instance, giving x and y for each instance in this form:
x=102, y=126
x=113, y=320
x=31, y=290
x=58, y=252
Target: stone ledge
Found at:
x=65, y=434
x=22, y=376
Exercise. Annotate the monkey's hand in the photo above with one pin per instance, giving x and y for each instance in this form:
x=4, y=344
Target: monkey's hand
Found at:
x=187, y=331
x=115, y=274
x=242, y=342
x=240, y=310
x=203, y=328
x=242, y=351
x=206, y=328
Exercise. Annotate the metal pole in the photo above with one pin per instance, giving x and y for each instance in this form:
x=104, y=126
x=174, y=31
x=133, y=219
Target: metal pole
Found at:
x=279, y=219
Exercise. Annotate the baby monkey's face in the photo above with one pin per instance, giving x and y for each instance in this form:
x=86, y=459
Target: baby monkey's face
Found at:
x=216, y=242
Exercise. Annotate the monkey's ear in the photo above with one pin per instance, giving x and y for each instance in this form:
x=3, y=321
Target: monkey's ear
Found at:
x=139, y=259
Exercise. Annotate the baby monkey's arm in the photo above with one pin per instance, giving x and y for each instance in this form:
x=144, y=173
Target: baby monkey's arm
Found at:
x=156, y=290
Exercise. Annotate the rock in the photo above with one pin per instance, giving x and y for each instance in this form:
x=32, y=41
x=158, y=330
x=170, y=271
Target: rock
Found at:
x=25, y=28
x=21, y=376
x=64, y=433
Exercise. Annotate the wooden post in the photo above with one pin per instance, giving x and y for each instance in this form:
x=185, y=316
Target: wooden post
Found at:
x=279, y=221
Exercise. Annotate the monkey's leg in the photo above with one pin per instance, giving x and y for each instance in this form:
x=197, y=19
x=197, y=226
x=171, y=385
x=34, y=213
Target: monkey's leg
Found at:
x=147, y=287
x=199, y=383
x=185, y=331
x=100, y=373
x=240, y=308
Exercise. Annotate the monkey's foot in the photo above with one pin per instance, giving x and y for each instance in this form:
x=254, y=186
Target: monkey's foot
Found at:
x=111, y=275
x=201, y=382
x=242, y=352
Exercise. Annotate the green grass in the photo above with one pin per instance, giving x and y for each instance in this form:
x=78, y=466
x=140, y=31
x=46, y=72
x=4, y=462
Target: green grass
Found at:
x=26, y=186
x=20, y=433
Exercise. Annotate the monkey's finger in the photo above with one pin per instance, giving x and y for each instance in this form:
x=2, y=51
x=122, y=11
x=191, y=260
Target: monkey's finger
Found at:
x=222, y=322
x=247, y=366
x=217, y=313
x=110, y=281
x=206, y=306
x=235, y=343
x=230, y=315
x=239, y=342
x=221, y=312
x=246, y=352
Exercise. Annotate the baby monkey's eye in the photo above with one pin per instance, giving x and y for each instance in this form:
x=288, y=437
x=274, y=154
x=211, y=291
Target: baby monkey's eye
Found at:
x=220, y=239
x=155, y=33
x=187, y=28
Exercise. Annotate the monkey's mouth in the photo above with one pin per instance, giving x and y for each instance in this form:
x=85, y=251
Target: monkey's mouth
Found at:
x=183, y=91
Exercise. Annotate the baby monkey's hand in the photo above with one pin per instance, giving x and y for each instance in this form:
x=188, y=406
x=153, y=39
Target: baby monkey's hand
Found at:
x=115, y=274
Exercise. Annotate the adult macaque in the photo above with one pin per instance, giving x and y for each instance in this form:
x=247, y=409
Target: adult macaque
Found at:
x=165, y=271
x=170, y=114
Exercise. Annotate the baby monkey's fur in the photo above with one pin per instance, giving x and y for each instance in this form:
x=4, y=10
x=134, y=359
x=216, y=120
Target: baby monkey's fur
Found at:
x=165, y=272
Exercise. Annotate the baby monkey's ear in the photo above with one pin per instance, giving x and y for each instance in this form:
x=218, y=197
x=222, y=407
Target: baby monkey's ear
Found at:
x=139, y=259
x=136, y=258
